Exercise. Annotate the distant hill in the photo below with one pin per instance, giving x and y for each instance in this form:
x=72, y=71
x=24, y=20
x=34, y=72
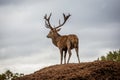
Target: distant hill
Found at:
x=98, y=70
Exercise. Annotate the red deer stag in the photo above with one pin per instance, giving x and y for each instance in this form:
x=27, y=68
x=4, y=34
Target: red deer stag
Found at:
x=63, y=42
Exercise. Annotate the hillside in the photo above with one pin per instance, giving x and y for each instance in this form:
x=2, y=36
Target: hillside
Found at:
x=98, y=70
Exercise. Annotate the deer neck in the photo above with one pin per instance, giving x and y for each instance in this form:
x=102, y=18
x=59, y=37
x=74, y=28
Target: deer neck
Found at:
x=55, y=39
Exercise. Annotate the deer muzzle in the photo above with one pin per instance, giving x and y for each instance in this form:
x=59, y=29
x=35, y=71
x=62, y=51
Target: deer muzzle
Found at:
x=47, y=36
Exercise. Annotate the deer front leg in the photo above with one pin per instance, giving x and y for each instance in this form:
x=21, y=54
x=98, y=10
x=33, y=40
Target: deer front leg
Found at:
x=61, y=55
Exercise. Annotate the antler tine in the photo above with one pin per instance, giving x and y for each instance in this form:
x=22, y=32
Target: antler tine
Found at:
x=47, y=21
x=50, y=16
x=46, y=25
x=65, y=19
x=45, y=17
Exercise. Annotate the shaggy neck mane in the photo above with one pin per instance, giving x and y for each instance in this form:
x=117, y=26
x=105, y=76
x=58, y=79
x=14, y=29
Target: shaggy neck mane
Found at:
x=55, y=39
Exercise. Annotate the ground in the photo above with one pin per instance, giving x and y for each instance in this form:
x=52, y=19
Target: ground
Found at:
x=97, y=70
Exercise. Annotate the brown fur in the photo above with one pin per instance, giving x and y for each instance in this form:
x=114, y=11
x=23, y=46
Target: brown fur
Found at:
x=64, y=43
x=68, y=41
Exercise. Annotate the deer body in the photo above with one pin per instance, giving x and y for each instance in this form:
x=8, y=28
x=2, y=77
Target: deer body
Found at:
x=63, y=42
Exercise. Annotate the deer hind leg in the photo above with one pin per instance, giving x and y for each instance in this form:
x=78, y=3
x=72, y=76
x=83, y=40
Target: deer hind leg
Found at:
x=76, y=49
x=65, y=56
x=61, y=55
x=69, y=51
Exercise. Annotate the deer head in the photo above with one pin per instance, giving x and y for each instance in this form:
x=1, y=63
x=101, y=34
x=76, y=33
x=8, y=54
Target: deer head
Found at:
x=54, y=30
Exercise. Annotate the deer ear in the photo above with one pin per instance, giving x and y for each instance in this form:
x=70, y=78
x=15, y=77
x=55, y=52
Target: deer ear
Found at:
x=58, y=29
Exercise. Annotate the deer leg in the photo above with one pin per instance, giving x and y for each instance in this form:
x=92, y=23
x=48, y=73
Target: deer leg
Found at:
x=61, y=53
x=65, y=56
x=69, y=51
x=76, y=49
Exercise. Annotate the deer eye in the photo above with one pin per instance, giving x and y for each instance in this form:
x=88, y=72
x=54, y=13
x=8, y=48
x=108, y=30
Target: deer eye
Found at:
x=51, y=32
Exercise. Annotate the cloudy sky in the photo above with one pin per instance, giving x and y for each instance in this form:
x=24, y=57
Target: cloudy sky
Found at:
x=24, y=47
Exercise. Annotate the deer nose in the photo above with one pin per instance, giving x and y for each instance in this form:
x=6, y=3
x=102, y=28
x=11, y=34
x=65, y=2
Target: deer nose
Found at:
x=47, y=36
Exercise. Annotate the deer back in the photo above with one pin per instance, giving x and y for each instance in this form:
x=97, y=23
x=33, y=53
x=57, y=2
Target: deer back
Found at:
x=67, y=41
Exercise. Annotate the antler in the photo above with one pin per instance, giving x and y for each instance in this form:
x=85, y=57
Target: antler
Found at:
x=65, y=19
x=47, y=21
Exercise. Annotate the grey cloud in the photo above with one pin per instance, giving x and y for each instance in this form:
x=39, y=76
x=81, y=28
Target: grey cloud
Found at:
x=96, y=12
x=8, y=2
